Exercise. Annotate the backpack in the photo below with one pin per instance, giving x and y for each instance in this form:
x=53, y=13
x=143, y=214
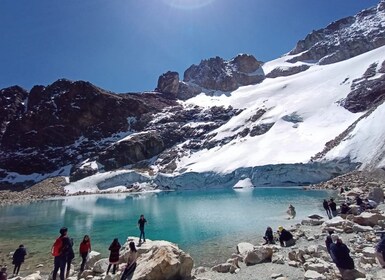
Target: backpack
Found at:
x=57, y=247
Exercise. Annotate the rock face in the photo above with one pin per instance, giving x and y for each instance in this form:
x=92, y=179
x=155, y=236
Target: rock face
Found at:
x=344, y=38
x=64, y=122
x=169, y=83
x=214, y=74
x=12, y=105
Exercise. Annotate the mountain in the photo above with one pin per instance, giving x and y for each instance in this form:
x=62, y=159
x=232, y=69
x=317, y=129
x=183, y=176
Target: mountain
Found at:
x=308, y=116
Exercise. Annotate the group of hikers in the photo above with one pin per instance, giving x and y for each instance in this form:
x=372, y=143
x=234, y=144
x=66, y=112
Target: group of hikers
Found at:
x=345, y=207
x=63, y=253
x=285, y=237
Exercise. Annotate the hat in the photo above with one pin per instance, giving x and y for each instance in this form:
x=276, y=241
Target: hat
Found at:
x=334, y=237
x=280, y=228
x=63, y=230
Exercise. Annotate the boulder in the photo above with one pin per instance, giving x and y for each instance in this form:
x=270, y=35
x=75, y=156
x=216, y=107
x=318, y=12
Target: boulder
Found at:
x=224, y=268
x=313, y=275
x=100, y=266
x=93, y=257
x=244, y=247
x=376, y=194
x=312, y=222
x=368, y=219
x=163, y=260
x=258, y=254
x=358, y=228
x=33, y=276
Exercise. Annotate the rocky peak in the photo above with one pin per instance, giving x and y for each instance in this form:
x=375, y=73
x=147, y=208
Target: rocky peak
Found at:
x=345, y=38
x=168, y=83
x=213, y=74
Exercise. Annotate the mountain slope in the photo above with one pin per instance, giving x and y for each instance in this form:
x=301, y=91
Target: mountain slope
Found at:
x=305, y=117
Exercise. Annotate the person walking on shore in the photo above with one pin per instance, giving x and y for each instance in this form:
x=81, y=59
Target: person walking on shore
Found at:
x=60, y=251
x=114, y=255
x=18, y=259
x=141, y=222
x=131, y=261
x=84, y=250
x=333, y=207
x=327, y=208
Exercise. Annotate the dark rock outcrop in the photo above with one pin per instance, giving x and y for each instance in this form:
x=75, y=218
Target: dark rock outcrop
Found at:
x=69, y=121
x=214, y=74
x=169, y=83
x=344, y=38
x=367, y=91
x=12, y=105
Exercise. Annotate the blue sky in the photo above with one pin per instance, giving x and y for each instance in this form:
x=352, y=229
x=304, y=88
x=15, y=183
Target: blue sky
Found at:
x=125, y=45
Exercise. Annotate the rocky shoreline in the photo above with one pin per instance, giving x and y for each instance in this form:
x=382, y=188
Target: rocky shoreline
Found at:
x=308, y=259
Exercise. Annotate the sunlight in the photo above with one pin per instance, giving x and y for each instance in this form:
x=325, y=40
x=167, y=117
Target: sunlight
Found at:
x=188, y=4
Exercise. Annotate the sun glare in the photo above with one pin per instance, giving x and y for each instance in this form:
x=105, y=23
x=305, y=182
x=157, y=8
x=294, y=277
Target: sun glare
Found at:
x=188, y=4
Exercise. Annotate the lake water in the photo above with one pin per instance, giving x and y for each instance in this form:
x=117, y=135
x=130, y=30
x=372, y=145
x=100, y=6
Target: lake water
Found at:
x=208, y=224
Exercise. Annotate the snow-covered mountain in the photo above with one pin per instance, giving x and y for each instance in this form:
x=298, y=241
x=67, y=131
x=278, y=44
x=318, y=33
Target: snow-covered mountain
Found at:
x=305, y=117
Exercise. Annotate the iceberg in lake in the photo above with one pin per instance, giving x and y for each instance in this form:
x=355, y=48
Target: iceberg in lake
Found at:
x=244, y=184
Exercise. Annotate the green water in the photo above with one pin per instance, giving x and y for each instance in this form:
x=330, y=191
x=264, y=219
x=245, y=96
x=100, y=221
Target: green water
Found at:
x=207, y=224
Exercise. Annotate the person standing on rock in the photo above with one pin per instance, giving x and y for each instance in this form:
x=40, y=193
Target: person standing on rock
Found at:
x=333, y=207
x=70, y=257
x=114, y=255
x=131, y=261
x=84, y=250
x=141, y=222
x=18, y=259
x=60, y=252
x=327, y=208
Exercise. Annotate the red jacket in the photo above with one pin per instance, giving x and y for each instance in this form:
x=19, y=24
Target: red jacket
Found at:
x=84, y=247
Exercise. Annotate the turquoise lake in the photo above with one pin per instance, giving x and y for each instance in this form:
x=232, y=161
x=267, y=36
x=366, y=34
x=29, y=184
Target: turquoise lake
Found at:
x=208, y=224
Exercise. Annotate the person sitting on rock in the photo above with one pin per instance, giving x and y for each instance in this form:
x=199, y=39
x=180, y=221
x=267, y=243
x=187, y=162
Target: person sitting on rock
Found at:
x=340, y=254
x=3, y=273
x=285, y=237
x=345, y=209
x=269, y=237
x=369, y=204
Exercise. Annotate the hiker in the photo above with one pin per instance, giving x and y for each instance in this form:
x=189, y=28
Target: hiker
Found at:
x=333, y=207
x=369, y=204
x=345, y=209
x=291, y=212
x=114, y=255
x=70, y=257
x=141, y=222
x=18, y=259
x=329, y=240
x=285, y=237
x=131, y=261
x=340, y=254
x=327, y=208
x=60, y=251
x=380, y=251
x=84, y=250
x=269, y=238
x=3, y=273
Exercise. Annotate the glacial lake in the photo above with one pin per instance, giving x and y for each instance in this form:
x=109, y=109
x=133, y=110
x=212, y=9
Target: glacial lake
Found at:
x=207, y=224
